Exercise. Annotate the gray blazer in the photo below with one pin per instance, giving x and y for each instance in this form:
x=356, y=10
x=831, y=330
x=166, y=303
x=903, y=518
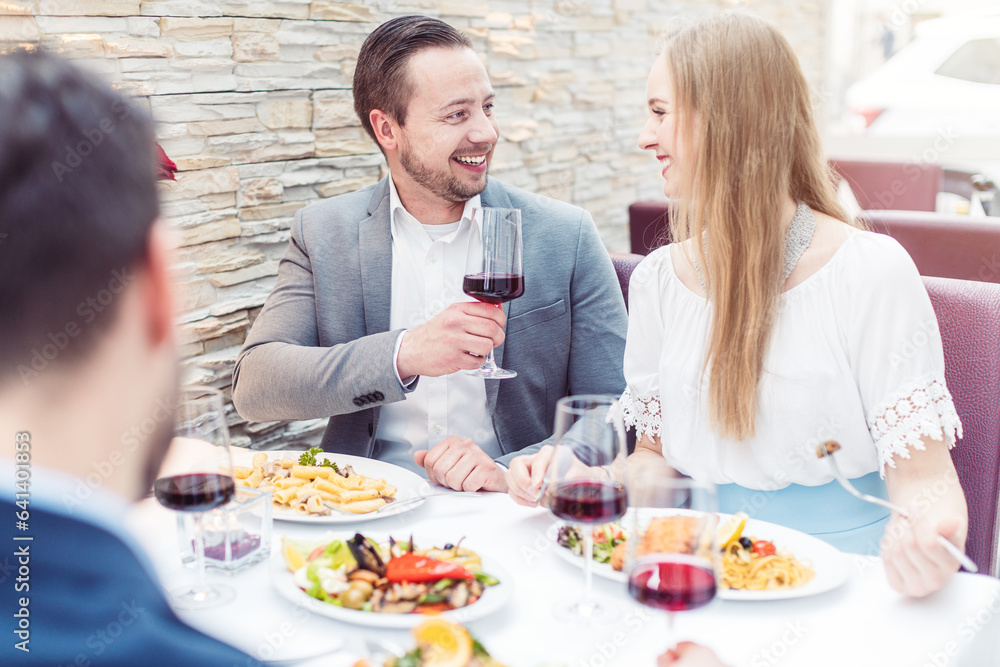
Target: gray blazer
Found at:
x=321, y=347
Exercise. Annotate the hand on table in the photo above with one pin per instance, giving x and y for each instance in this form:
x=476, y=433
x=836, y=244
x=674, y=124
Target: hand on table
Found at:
x=915, y=562
x=689, y=654
x=525, y=475
x=460, y=464
x=455, y=339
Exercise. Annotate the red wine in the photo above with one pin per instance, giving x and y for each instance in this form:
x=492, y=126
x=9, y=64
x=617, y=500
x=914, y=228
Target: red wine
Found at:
x=196, y=492
x=674, y=585
x=586, y=501
x=493, y=287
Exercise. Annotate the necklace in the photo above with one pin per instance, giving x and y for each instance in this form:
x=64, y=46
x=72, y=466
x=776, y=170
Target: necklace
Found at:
x=797, y=238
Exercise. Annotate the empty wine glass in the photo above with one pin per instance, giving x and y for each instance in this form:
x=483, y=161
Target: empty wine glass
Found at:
x=671, y=551
x=201, y=448
x=493, y=272
x=586, y=484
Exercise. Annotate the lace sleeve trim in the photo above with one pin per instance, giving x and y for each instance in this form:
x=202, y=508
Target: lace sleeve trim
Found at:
x=641, y=413
x=923, y=407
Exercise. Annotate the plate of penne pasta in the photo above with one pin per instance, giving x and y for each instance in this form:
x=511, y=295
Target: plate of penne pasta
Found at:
x=327, y=488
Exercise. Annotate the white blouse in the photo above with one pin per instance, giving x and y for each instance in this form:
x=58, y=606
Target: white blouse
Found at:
x=855, y=356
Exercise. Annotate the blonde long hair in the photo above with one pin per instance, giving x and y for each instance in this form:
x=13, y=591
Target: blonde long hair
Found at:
x=744, y=106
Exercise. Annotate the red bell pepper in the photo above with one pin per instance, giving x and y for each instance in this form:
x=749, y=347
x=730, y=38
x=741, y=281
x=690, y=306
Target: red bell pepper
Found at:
x=419, y=569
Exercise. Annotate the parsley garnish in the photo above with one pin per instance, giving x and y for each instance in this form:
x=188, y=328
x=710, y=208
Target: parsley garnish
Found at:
x=309, y=459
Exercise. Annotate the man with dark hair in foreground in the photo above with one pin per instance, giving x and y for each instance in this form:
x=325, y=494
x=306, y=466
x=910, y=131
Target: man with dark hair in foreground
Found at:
x=87, y=363
x=368, y=324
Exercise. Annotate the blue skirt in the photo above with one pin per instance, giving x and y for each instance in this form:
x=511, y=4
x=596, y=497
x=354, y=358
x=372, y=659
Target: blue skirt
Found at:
x=826, y=512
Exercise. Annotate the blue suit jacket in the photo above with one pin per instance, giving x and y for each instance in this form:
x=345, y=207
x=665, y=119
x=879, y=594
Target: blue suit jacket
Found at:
x=91, y=602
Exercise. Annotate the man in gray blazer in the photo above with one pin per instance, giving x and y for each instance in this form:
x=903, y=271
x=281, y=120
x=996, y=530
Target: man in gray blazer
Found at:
x=368, y=324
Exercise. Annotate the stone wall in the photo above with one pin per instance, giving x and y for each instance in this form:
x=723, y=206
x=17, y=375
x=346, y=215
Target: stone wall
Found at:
x=253, y=102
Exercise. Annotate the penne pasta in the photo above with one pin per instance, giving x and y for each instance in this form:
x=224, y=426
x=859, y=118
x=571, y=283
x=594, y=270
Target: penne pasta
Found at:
x=313, y=489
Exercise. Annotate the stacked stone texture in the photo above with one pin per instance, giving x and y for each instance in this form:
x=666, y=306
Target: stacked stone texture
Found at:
x=252, y=100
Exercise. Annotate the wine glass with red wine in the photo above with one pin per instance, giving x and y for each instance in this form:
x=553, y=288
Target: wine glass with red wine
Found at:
x=493, y=272
x=585, y=485
x=200, y=448
x=671, y=552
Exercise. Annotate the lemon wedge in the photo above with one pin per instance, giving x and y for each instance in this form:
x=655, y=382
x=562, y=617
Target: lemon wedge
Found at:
x=443, y=644
x=294, y=558
x=731, y=530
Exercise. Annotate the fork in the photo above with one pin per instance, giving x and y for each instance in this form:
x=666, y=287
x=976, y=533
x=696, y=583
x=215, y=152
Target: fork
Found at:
x=406, y=502
x=827, y=449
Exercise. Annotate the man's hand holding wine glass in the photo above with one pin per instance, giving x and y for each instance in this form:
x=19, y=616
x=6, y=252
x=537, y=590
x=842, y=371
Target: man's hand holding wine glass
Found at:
x=455, y=339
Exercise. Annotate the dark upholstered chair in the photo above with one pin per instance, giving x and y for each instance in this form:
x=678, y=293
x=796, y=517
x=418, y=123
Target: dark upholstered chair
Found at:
x=648, y=223
x=909, y=186
x=968, y=315
x=625, y=264
x=946, y=246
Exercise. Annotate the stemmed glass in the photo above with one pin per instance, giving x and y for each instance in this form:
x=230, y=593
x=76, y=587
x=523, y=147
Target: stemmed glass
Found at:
x=493, y=272
x=672, y=556
x=201, y=445
x=586, y=484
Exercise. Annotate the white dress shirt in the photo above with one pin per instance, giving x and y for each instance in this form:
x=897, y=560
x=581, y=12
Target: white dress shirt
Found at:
x=428, y=264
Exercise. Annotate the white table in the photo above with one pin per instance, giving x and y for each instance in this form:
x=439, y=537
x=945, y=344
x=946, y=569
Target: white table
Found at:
x=859, y=624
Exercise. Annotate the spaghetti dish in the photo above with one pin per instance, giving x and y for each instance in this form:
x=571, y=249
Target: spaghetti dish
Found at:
x=749, y=564
x=744, y=563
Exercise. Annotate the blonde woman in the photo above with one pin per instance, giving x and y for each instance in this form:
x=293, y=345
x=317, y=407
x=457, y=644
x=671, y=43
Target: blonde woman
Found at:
x=774, y=322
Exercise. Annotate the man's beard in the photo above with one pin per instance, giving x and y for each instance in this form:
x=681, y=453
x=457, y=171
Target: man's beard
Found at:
x=440, y=182
x=158, y=442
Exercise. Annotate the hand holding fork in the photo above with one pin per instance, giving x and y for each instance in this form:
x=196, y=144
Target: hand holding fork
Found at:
x=827, y=449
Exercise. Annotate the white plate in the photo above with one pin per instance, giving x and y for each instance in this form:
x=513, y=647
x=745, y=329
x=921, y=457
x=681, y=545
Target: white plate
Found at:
x=829, y=564
x=493, y=598
x=408, y=484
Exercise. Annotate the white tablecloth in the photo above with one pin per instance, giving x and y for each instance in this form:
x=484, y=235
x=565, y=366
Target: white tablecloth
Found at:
x=859, y=624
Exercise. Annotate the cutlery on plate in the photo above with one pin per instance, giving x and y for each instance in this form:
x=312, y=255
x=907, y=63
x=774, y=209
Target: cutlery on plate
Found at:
x=827, y=449
x=406, y=502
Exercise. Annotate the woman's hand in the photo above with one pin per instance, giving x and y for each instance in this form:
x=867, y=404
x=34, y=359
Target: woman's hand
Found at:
x=927, y=485
x=689, y=654
x=525, y=476
x=915, y=562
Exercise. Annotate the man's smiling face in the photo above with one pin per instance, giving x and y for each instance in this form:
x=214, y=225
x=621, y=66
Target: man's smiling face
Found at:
x=450, y=131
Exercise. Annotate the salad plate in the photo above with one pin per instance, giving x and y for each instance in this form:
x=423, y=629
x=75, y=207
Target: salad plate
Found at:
x=829, y=564
x=493, y=597
x=409, y=486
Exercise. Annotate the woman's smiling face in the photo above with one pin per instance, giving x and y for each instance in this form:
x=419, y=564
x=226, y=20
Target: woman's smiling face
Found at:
x=660, y=133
